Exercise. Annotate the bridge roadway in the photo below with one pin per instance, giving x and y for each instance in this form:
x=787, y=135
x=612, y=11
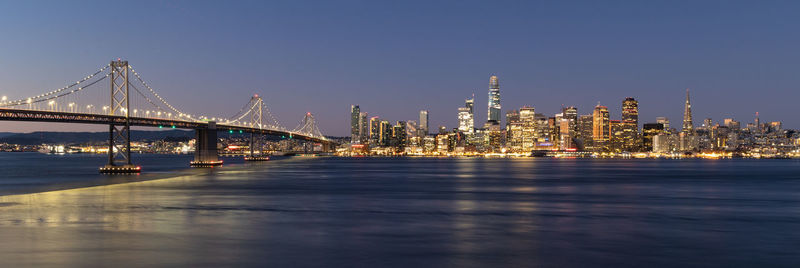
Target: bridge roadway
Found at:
x=82, y=118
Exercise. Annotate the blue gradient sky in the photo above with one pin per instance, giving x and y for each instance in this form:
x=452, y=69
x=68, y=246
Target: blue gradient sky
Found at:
x=394, y=58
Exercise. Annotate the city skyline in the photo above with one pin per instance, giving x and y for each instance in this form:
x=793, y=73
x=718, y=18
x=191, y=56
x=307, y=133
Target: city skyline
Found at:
x=737, y=57
x=633, y=118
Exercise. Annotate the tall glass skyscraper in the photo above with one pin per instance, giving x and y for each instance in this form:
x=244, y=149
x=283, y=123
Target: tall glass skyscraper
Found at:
x=363, y=128
x=630, y=124
x=600, y=125
x=423, y=123
x=494, y=99
x=355, y=116
x=466, y=121
x=688, y=127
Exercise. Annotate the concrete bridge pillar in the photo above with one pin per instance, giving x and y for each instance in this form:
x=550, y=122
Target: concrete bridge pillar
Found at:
x=205, y=154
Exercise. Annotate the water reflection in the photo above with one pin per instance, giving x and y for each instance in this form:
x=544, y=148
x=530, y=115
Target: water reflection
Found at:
x=431, y=212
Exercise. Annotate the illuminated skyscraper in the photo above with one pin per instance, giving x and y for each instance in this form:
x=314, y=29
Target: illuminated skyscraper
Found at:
x=355, y=115
x=527, y=139
x=688, y=127
x=571, y=115
x=399, y=138
x=363, y=128
x=466, y=118
x=585, y=129
x=600, y=125
x=423, y=123
x=513, y=131
x=568, y=127
x=630, y=124
x=616, y=136
x=385, y=133
x=494, y=99
x=374, y=131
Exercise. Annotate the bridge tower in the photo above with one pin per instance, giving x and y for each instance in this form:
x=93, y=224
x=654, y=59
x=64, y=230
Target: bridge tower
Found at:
x=256, y=121
x=119, y=131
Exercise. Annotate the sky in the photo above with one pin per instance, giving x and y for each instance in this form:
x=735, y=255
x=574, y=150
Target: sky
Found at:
x=394, y=58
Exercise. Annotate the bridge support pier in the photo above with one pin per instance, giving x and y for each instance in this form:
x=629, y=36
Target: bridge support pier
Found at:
x=326, y=147
x=119, y=135
x=205, y=154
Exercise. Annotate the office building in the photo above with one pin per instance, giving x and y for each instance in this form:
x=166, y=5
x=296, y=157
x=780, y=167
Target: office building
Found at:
x=423, y=123
x=494, y=100
x=355, y=115
x=688, y=126
x=630, y=125
x=600, y=126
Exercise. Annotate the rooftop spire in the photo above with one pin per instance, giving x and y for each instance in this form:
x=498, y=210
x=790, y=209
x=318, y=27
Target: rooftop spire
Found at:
x=687, y=115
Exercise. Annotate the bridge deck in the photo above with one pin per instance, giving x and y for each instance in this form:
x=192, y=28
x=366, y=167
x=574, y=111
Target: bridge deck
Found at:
x=83, y=118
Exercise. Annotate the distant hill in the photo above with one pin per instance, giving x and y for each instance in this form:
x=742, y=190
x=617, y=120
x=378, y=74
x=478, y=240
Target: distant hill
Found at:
x=34, y=138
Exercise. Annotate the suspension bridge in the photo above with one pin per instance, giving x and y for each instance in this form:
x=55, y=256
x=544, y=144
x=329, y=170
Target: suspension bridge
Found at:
x=130, y=101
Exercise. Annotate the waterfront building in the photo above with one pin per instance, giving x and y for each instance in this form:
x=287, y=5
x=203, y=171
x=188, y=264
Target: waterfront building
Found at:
x=363, y=128
x=630, y=125
x=463, y=119
x=443, y=143
x=527, y=135
x=688, y=142
x=374, y=131
x=600, y=126
x=570, y=114
x=688, y=126
x=385, y=133
x=542, y=129
x=649, y=131
x=513, y=131
x=494, y=100
x=466, y=118
x=664, y=143
x=554, y=124
x=494, y=137
x=423, y=123
x=399, y=138
x=615, y=136
x=585, y=129
x=355, y=115
x=566, y=135
x=428, y=144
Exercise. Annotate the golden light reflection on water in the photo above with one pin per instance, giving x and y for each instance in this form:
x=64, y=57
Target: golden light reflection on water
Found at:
x=108, y=205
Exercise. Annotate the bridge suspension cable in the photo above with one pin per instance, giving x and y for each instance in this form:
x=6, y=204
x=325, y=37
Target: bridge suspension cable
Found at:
x=47, y=96
x=138, y=77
